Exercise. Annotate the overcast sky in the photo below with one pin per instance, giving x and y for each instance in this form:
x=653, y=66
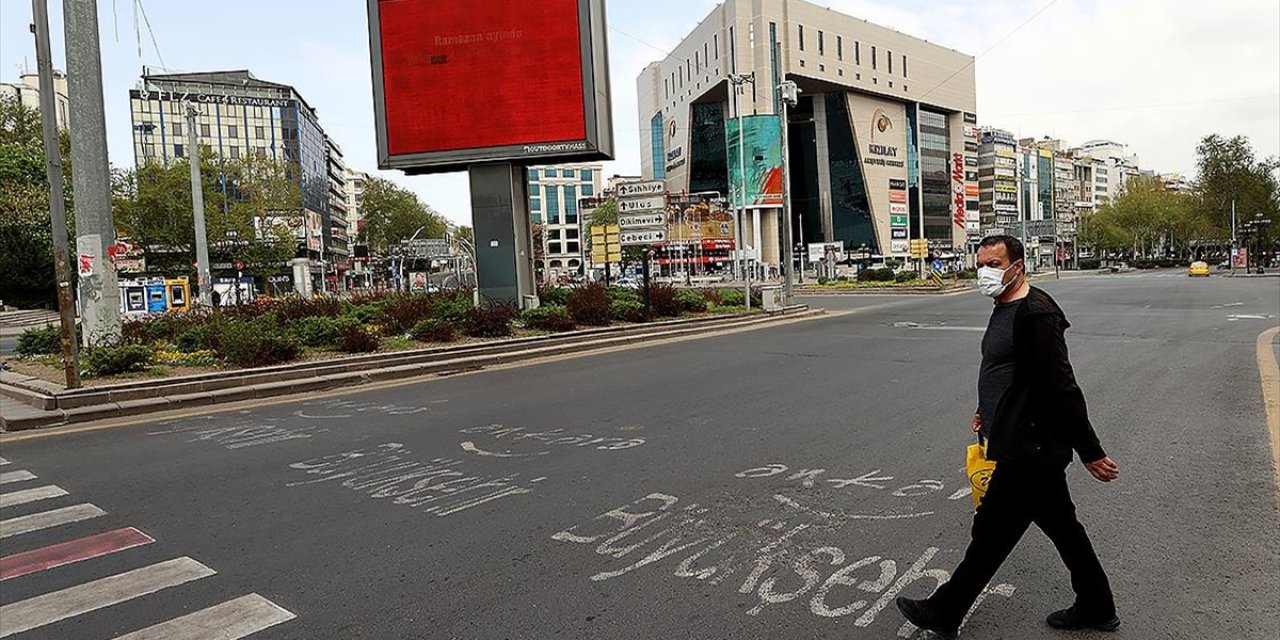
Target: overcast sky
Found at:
x=1155, y=74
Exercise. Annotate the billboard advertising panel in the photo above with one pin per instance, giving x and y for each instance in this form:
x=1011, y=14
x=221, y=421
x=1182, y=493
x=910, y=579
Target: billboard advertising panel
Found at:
x=455, y=84
x=762, y=153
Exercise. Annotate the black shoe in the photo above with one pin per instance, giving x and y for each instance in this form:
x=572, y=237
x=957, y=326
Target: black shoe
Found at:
x=917, y=612
x=1074, y=619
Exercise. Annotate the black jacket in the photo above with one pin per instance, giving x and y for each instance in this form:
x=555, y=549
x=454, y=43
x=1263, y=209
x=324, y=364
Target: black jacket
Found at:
x=1043, y=413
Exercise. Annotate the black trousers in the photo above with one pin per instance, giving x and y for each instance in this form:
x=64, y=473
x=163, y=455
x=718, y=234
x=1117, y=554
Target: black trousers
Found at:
x=1018, y=494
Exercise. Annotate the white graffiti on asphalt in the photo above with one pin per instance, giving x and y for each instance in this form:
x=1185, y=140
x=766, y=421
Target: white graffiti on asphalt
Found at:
x=809, y=478
x=555, y=437
x=337, y=408
x=781, y=566
x=438, y=486
x=242, y=433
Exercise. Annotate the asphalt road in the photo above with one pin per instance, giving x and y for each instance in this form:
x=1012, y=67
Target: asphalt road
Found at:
x=778, y=483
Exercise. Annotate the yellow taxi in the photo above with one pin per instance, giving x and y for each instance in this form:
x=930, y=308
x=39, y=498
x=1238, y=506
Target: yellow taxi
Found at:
x=1198, y=268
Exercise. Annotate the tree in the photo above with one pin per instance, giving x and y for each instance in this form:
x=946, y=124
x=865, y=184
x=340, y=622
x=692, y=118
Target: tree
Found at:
x=466, y=235
x=26, y=231
x=392, y=215
x=1230, y=171
x=606, y=213
x=1147, y=220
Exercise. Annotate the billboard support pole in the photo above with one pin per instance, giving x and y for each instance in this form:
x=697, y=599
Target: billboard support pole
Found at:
x=788, y=91
x=204, y=279
x=503, y=236
x=741, y=217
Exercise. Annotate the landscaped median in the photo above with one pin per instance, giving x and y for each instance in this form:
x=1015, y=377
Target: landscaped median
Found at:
x=887, y=281
x=37, y=400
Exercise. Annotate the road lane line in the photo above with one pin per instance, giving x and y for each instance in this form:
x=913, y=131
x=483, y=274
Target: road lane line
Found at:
x=16, y=476
x=230, y=620
x=46, y=519
x=3, y=462
x=1269, y=372
x=45, y=558
x=49, y=608
x=15, y=498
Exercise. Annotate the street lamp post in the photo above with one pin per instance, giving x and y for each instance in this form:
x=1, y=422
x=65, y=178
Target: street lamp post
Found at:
x=407, y=248
x=789, y=95
x=738, y=81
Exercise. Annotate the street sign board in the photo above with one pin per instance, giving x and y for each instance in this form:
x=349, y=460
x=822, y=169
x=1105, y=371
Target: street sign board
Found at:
x=644, y=236
x=897, y=221
x=636, y=205
x=648, y=188
x=427, y=248
x=1042, y=227
x=642, y=220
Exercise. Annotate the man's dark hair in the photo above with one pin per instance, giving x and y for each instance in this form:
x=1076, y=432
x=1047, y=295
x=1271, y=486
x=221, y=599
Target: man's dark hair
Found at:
x=1012, y=246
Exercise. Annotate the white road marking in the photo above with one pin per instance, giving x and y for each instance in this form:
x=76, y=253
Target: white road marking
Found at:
x=16, y=476
x=16, y=498
x=851, y=516
x=3, y=462
x=36, y=612
x=470, y=447
x=1247, y=316
x=230, y=620
x=46, y=519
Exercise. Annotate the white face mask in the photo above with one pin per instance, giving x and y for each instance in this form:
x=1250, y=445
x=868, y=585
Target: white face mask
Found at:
x=991, y=281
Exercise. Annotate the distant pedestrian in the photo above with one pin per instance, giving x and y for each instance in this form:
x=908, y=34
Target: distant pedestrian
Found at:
x=1032, y=415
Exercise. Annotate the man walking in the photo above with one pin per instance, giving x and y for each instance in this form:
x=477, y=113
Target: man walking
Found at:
x=1032, y=415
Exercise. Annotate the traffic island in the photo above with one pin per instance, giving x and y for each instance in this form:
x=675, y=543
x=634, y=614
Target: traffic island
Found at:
x=29, y=402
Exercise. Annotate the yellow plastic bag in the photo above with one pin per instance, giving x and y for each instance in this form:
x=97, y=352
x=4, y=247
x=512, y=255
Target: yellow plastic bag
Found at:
x=980, y=470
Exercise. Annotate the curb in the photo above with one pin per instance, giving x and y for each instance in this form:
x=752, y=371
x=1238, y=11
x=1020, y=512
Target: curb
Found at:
x=881, y=291
x=42, y=410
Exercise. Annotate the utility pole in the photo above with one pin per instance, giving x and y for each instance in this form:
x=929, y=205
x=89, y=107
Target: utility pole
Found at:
x=95, y=227
x=57, y=202
x=740, y=218
x=204, y=279
x=789, y=96
x=1231, y=259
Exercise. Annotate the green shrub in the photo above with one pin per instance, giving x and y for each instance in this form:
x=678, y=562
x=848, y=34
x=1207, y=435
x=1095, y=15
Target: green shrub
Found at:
x=904, y=276
x=623, y=293
x=434, y=330
x=554, y=296
x=732, y=298
x=319, y=331
x=199, y=337
x=550, y=317
x=884, y=274
x=691, y=300
x=967, y=274
x=712, y=296
x=125, y=358
x=453, y=309
x=40, y=341
x=158, y=329
x=492, y=320
x=591, y=304
x=293, y=308
x=364, y=313
x=355, y=338
x=627, y=310
x=256, y=344
x=1090, y=264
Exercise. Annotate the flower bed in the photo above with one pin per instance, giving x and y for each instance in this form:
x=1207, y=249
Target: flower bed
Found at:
x=293, y=329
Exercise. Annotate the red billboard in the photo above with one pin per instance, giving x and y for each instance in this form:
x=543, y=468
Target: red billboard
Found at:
x=456, y=83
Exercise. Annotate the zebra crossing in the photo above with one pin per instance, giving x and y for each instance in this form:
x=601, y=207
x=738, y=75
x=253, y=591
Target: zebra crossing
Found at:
x=241, y=616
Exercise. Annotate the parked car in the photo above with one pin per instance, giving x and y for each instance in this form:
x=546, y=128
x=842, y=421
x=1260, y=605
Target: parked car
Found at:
x=1198, y=268
x=627, y=282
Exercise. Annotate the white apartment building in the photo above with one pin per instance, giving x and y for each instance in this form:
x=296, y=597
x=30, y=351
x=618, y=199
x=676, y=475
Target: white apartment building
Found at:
x=27, y=91
x=1112, y=164
x=554, y=194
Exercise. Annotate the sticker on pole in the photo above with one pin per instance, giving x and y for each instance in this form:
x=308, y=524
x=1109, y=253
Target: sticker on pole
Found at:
x=647, y=236
x=636, y=205
x=643, y=220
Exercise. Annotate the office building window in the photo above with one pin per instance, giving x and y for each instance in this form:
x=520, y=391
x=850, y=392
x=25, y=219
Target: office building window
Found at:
x=554, y=234
x=177, y=151
x=554, y=247
x=873, y=57
x=889, y=56
x=550, y=173
x=553, y=206
x=904, y=67
x=573, y=247
x=822, y=47
x=571, y=234
x=588, y=189
x=535, y=205
x=585, y=174
x=857, y=52
x=204, y=131
x=260, y=132
x=235, y=153
x=801, y=27
x=570, y=173
x=177, y=129
x=715, y=46
x=802, y=63
x=570, y=204
x=232, y=132
x=839, y=48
